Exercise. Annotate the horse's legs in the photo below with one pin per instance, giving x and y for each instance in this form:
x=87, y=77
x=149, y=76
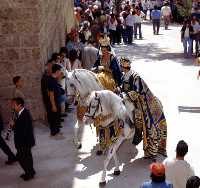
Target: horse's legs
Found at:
x=111, y=153
x=76, y=134
x=116, y=171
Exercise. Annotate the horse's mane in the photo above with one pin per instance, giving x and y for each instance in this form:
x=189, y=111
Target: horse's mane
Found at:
x=88, y=79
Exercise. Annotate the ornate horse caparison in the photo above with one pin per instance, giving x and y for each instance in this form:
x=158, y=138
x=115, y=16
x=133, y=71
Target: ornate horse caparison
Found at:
x=107, y=107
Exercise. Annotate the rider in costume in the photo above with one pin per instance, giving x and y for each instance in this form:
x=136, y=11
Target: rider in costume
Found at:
x=153, y=126
x=110, y=76
x=107, y=66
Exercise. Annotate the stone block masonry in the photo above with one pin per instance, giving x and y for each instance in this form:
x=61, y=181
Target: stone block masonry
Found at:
x=30, y=31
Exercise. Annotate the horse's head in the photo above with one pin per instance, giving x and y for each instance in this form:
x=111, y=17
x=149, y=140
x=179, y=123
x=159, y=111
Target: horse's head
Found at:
x=70, y=86
x=94, y=108
x=82, y=82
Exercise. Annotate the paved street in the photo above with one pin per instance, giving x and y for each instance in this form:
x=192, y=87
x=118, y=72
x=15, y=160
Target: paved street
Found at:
x=173, y=79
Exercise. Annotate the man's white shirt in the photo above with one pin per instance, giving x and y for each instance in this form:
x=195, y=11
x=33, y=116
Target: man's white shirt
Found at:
x=130, y=20
x=166, y=11
x=20, y=112
x=178, y=172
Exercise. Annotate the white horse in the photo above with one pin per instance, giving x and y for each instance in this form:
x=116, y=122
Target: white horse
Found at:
x=105, y=103
x=81, y=83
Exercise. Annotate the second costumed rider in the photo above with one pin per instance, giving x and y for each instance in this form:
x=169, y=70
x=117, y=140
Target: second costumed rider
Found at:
x=154, y=126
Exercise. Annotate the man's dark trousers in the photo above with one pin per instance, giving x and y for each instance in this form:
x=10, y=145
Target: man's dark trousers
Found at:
x=5, y=148
x=25, y=159
x=137, y=26
x=53, y=120
x=156, y=26
x=129, y=31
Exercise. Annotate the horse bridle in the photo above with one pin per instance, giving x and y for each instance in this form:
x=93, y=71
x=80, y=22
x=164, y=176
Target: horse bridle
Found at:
x=75, y=91
x=97, y=107
x=73, y=86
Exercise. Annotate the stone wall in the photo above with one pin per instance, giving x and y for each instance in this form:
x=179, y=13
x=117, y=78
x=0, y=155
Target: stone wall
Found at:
x=30, y=30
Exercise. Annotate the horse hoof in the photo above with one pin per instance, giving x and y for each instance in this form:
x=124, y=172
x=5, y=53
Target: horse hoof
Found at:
x=79, y=146
x=99, y=152
x=102, y=184
x=117, y=172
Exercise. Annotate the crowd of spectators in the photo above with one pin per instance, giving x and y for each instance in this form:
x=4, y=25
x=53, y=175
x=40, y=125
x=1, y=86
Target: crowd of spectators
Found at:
x=94, y=20
x=190, y=37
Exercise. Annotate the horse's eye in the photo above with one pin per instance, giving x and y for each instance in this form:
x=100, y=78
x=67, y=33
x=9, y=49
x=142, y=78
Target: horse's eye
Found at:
x=71, y=85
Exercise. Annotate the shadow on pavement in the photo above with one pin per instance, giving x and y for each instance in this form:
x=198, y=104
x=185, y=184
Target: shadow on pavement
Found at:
x=152, y=52
x=54, y=161
x=133, y=174
x=94, y=164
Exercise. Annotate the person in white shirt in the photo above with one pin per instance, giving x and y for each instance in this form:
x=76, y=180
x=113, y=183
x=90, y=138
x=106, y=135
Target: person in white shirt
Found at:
x=129, y=23
x=138, y=18
x=178, y=170
x=145, y=8
x=151, y=5
x=166, y=14
x=112, y=25
x=89, y=55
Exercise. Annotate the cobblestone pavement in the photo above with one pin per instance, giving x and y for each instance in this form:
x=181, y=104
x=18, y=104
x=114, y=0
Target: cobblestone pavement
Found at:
x=158, y=59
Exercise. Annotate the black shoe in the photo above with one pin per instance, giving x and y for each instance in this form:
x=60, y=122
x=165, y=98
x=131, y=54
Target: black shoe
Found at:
x=62, y=120
x=22, y=176
x=63, y=115
x=10, y=161
x=28, y=177
x=33, y=173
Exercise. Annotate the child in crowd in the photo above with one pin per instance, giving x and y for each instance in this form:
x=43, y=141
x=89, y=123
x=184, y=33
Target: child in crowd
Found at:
x=17, y=92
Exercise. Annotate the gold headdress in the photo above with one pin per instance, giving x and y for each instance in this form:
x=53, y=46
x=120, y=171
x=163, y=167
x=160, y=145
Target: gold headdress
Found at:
x=104, y=41
x=125, y=62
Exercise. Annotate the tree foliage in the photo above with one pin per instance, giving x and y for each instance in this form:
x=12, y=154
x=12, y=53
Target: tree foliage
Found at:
x=184, y=8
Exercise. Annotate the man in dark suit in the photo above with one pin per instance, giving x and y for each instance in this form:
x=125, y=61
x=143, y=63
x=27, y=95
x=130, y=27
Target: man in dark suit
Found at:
x=24, y=138
x=5, y=148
